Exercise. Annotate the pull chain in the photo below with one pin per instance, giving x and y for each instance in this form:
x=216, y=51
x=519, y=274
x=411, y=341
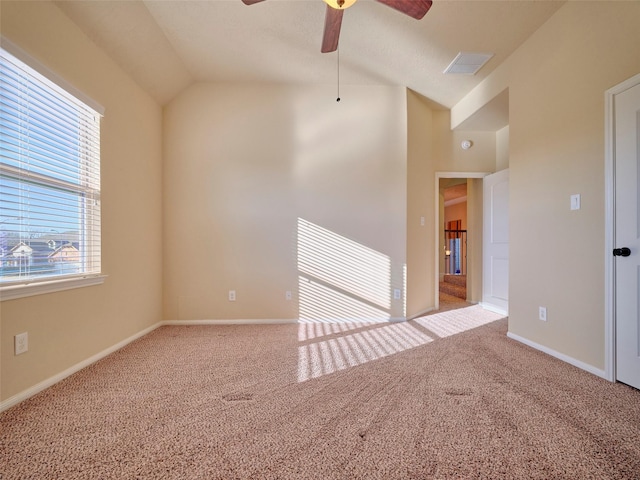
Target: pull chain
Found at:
x=338, y=52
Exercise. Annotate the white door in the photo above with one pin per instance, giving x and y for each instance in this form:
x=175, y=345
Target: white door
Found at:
x=627, y=235
x=495, y=242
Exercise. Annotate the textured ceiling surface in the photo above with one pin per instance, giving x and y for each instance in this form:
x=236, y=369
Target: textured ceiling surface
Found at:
x=166, y=45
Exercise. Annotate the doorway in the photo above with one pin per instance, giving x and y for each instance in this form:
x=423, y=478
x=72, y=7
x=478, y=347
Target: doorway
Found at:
x=452, y=287
x=458, y=239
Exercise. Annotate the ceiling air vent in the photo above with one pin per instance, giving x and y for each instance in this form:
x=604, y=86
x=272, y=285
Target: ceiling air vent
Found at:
x=468, y=63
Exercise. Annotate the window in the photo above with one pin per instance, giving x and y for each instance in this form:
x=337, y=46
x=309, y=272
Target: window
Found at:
x=49, y=180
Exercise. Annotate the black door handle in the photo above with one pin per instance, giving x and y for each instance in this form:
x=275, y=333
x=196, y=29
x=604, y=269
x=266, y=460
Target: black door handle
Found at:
x=621, y=252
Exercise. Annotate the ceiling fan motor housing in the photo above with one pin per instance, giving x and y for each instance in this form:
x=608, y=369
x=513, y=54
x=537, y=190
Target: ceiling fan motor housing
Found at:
x=340, y=4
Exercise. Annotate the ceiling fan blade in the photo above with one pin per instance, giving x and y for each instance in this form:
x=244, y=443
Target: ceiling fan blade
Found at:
x=414, y=8
x=332, y=23
x=251, y=2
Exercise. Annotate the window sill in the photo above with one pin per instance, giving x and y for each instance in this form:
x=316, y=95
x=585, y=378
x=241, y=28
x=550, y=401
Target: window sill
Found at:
x=40, y=288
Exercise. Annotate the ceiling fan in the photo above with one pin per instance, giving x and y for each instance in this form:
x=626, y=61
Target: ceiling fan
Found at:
x=335, y=8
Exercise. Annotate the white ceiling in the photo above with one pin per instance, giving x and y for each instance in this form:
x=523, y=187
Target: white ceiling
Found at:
x=167, y=45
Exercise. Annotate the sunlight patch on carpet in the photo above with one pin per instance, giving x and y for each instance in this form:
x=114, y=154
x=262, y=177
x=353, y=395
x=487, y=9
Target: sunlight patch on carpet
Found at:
x=335, y=354
x=451, y=322
x=356, y=343
x=308, y=330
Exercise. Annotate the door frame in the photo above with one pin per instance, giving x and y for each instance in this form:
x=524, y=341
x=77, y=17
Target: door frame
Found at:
x=609, y=226
x=437, y=253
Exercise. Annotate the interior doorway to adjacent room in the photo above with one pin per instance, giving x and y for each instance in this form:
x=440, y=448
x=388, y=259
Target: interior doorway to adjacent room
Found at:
x=452, y=288
x=458, y=238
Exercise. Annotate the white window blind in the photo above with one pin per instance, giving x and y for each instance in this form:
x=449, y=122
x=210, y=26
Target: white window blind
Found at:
x=49, y=179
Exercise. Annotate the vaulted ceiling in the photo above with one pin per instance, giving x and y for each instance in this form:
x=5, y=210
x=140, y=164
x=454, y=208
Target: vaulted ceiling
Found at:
x=166, y=45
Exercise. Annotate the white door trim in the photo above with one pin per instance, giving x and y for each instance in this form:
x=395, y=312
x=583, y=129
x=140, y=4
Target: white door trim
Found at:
x=437, y=252
x=609, y=225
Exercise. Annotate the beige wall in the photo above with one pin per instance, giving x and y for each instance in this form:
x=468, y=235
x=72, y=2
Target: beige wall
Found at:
x=420, y=141
x=456, y=211
x=68, y=327
x=556, y=82
x=502, y=149
x=271, y=189
x=434, y=147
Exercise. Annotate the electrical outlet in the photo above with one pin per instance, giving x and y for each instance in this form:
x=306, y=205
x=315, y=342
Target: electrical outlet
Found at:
x=542, y=313
x=287, y=295
x=232, y=295
x=397, y=294
x=21, y=343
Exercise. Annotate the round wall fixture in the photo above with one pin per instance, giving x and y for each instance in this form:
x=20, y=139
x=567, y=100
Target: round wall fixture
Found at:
x=466, y=144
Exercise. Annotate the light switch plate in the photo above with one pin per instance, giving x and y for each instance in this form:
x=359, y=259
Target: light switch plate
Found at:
x=575, y=202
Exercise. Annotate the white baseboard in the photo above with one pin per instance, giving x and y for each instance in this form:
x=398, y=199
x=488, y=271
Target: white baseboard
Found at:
x=271, y=321
x=397, y=319
x=494, y=309
x=29, y=392
x=561, y=356
x=266, y=321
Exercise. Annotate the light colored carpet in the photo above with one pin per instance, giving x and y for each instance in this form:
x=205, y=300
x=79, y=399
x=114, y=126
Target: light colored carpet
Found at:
x=450, y=302
x=445, y=396
x=454, y=285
